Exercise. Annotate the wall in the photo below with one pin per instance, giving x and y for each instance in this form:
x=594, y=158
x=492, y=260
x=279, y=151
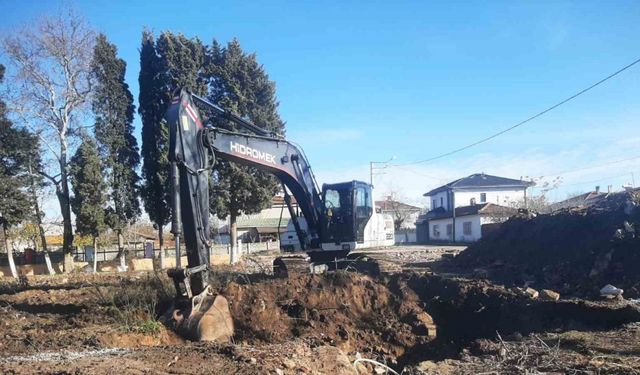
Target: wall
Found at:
x=445, y=201
x=503, y=197
x=460, y=236
x=405, y=236
x=409, y=222
x=219, y=255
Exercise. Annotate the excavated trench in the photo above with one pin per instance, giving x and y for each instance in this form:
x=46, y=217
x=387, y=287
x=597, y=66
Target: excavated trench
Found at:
x=395, y=318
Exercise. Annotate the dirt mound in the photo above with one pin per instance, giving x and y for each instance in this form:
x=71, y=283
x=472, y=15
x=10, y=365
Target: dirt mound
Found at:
x=574, y=251
x=350, y=311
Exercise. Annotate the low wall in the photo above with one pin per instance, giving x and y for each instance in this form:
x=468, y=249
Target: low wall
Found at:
x=136, y=264
x=219, y=255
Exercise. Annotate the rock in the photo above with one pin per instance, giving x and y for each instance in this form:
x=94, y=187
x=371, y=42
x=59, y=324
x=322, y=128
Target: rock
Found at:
x=610, y=291
x=549, y=295
x=429, y=368
x=289, y=364
x=279, y=371
x=424, y=325
x=531, y=293
x=253, y=361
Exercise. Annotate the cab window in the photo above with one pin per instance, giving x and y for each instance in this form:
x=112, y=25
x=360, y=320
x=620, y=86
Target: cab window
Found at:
x=332, y=198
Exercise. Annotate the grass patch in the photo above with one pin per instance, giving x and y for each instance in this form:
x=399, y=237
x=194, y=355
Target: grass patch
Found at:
x=133, y=303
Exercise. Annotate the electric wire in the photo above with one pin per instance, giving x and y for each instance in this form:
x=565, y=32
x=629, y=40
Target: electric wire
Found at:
x=483, y=140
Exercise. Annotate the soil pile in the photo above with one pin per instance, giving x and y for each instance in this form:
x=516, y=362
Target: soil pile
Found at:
x=347, y=310
x=575, y=251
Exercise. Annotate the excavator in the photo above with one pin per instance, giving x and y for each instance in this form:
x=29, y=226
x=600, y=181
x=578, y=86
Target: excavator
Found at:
x=336, y=220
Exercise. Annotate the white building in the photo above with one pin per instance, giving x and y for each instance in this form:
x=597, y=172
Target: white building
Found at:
x=404, y=215
x=479, y=199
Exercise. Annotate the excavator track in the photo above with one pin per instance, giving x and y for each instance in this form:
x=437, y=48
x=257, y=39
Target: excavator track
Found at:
x=292, y=265
x=373, y=264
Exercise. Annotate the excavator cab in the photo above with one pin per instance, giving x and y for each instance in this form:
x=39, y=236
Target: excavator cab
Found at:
x=347, y=208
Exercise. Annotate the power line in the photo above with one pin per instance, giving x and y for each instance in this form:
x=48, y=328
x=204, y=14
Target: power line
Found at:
x=543, y=175
x=416, y=172
x=598, y=180
x=527, y=120
x=592, y=166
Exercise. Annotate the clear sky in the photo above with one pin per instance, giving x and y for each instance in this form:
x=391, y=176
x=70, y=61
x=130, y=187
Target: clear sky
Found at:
x=367, y=80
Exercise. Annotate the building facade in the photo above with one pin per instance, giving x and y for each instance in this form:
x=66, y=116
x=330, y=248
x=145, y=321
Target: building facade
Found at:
x=461, y=208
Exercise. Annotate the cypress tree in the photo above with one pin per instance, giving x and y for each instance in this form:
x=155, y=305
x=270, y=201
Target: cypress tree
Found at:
x=113, y=108
x=237, y=82
x=155, y=139
x=86, y=172
x=181, y=63
x=171, y=62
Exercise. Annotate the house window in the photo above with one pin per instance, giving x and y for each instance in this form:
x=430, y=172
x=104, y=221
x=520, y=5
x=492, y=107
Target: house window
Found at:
x=434, y=205
x=466, y=228
x=441, y=202
x=483, y=197
x=436, y=231
x=449, y=229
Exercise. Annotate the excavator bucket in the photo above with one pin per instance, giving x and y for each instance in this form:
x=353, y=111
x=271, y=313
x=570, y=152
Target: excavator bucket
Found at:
x=206, y=318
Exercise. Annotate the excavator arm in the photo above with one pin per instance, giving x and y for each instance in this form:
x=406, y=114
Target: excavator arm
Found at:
x=193, y=149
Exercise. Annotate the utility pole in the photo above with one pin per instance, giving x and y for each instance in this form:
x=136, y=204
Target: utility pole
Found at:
x=453, y=215
x=372, y=167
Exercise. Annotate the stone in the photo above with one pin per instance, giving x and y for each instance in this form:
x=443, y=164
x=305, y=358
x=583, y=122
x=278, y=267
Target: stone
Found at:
x=549, y=295
x=289, y=363
x=531, y=293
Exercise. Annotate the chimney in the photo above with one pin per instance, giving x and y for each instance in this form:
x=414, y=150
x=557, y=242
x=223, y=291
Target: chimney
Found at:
x=609, y=187
x=598, y=189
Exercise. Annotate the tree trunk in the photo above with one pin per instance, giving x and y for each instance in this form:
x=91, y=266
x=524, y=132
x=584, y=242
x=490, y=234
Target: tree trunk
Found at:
x=233, y=232
x=12, y=264
x=62, y=191
x=121, y=251
x=43, y=238
x=95, y=254
x=47, y=258
x=162, y=254
x=67, y=231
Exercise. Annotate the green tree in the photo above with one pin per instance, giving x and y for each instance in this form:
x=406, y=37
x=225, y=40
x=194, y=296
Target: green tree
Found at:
x=237, y=82
x=155, y=139
x=86, y=172
x=113, y=108
x=17, y=146
x=181, y=64
x=171, y=62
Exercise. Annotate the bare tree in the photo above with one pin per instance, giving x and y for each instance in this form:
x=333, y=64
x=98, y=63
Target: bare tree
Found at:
x=49, y=91
x=539, y=202
x=401, y=212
